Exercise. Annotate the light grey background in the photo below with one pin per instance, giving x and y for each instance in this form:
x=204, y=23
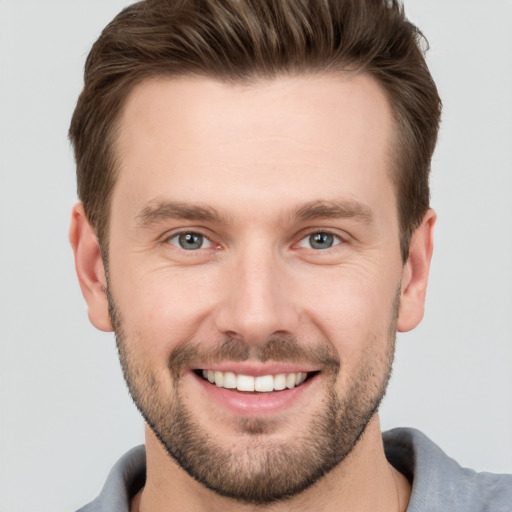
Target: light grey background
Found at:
x=65, y=416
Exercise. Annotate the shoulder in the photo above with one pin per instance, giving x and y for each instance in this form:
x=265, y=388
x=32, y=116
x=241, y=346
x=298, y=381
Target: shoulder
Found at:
x=440, y=483
x=124, y=480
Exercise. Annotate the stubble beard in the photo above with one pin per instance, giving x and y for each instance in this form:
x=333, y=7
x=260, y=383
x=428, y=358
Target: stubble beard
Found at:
x=265, y=470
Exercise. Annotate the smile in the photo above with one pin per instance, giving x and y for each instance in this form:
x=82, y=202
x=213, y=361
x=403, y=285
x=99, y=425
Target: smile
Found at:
x=262, y=383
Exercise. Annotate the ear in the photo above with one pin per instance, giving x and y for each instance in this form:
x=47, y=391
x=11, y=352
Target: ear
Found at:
x=415, y=274
x=89, y=268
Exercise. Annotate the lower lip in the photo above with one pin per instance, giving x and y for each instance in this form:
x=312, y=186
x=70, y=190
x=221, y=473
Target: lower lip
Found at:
x=254, y=404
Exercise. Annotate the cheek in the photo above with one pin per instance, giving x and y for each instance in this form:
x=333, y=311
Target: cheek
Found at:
x=162, y=309
x=353, y=303
x=354, y=313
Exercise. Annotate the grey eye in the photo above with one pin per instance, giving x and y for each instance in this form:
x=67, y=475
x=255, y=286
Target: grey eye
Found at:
x=190, y=241
x=319, y=241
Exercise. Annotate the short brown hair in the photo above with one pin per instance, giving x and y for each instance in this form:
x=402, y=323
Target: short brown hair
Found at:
x=240, y=40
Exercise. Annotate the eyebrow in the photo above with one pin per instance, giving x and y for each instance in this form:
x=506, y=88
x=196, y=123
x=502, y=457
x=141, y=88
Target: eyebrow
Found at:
x=346, y=209
x=320, y=209
x=156, y=213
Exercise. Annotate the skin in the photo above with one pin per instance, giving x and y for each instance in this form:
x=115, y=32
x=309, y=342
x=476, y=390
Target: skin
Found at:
x=257, y=155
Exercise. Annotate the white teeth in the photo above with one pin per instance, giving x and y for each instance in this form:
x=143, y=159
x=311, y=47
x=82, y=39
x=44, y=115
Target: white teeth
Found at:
x=219, y=379
x=229, y=380
x=301, y=377
x=262, y=384
x=244, y=383
x=280, y=382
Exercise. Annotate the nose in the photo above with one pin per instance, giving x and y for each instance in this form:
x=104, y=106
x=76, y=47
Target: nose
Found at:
x=257, y=300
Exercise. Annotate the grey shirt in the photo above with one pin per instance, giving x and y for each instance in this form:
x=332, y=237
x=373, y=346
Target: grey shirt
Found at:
x=439, y=484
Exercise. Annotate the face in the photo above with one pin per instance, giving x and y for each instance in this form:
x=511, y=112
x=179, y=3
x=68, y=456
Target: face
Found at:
x=255, y=273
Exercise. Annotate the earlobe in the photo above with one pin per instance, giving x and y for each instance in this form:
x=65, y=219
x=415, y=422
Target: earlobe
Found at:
x=415, y=274
x=89, y=268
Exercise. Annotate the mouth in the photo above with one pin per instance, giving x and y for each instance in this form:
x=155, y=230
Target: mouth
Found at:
x=255, y=384
x=248, y=390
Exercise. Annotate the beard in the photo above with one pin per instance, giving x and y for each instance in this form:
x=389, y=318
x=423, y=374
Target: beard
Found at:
x=264, y=470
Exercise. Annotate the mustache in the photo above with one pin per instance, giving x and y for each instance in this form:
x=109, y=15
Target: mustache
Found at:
x=282, y=348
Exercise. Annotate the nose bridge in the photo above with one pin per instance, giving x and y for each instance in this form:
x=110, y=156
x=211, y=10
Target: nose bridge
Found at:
x=256, y=303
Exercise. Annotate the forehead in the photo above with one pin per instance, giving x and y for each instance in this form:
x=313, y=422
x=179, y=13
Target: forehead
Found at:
x=307, y=137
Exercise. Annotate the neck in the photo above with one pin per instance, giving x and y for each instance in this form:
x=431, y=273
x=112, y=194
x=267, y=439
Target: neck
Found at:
x=363, y=481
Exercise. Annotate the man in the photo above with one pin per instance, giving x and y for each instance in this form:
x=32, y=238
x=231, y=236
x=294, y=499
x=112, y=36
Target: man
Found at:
x=255, y=227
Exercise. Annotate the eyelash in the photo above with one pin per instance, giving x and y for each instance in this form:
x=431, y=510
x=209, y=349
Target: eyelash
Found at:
x=337, y=240
x=325, y=232
x=188, y=233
